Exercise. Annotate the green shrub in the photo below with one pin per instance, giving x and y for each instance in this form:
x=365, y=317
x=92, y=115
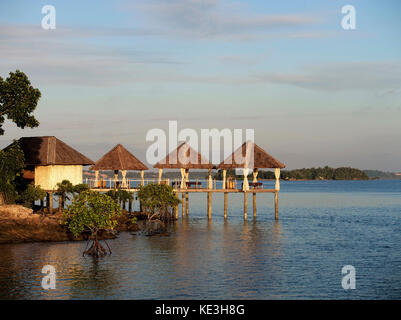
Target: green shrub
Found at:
x=31, y=194
x=158, y=200
x=91, y=211
x=78, y=188
x=11, y=164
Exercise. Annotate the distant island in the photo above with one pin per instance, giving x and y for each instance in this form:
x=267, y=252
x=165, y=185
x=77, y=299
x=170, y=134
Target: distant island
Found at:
x=376, y=174
x=324, y=173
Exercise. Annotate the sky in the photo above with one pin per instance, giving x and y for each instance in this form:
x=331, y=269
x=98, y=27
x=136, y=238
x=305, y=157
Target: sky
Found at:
x=314, y=93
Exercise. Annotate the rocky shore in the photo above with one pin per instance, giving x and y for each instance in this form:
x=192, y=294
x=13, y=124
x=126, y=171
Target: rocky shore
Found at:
x=20, y=224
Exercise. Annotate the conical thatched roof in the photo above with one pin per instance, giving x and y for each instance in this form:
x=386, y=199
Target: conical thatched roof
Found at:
x=261, y=159
x=45, y=151
x=118, y=158
x=184, y=157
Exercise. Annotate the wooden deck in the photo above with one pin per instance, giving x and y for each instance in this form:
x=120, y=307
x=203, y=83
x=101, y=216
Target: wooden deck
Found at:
x=189, y=190
x=198, y=186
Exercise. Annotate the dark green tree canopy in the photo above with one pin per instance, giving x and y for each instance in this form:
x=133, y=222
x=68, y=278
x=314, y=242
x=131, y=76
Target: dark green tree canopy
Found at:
x=11, y=165
x=18, y=100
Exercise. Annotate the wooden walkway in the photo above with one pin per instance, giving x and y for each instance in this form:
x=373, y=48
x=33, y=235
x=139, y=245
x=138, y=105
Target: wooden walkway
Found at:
x=186, y=191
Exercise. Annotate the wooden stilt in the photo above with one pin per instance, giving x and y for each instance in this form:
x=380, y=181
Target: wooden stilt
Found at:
x=209, y=205
x=276, y=205
x=186, y=203
x=254, y=205
x=225, y=205
x=130, y=205
x=50, y=202
x=183, y=204
x=245, y=205
x=176, y=208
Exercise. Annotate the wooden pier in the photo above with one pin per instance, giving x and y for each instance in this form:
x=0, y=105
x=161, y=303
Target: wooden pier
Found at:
x=185, y=158
x=116, y=185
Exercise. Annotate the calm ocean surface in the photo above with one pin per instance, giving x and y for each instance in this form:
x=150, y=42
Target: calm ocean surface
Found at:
x=323, y=226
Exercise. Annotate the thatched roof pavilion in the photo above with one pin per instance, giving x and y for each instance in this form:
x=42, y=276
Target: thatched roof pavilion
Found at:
x=184, y=158
x=49, y=160
x=118, y=159
x=251, y=156
x=44, y=151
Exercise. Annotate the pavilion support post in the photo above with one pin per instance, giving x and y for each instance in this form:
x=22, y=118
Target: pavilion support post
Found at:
x=160, y=174
x=60, y=202
x=142, y=175
x=254, y=205
x=245, y=184
x=255, y=174
x=225, y=204
x=115, y=178
x=224, y=179
x=183, y=178
x=176, y=208
x=183, y=204
x=277, y=189
x=210, y=181
x=124, y=180
x=186, y=203
x=245, y=205
x=186, y=178
x=209, y=205
x=42, y=204
x=50, y=202
x=96, y=179
x=130, y=205
x=277, y=175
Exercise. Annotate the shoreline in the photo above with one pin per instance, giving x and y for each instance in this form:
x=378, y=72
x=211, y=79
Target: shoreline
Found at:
x=19, y=224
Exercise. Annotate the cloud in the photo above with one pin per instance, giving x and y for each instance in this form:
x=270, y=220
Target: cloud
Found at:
x=215, y=19
x=341, y=76
x=60, y=56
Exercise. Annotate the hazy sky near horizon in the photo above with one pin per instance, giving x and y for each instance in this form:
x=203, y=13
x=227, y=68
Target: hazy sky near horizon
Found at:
x=314, y=93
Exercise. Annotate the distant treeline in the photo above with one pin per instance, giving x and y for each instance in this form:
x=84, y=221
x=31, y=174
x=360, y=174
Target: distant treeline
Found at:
x=376, y=174
x=326, y=173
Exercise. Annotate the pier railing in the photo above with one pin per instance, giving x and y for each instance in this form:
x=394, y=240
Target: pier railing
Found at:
x=191, y=185
x=120, y=183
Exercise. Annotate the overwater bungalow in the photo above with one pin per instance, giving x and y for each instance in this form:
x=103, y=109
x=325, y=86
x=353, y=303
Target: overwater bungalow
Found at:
x=117, y=159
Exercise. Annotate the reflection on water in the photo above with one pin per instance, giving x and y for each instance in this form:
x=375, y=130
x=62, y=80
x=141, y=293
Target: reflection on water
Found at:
x=300, y=256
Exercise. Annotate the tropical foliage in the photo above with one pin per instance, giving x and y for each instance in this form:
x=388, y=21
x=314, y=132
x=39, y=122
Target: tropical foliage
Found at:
x=92, y=211
x=30, y=195
x=157, y=200
x=11, y=165
x=18, y=100
x=120, y=196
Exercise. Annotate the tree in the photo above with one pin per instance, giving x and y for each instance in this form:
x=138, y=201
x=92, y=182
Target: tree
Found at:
x=63, y=189
x=158, y=200
x=11, y=164
x=78, y=188
x=31, y=194
x=18, y=99
x=94, y=212
x=124, y=196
